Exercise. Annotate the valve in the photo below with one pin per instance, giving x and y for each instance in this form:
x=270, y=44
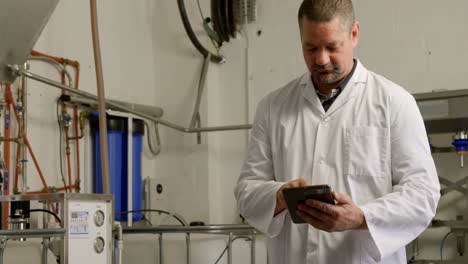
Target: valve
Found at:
x=461, y=145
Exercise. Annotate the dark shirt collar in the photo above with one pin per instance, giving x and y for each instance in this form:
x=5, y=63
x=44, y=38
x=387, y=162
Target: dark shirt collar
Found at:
x=327, y=101
x=341, y=86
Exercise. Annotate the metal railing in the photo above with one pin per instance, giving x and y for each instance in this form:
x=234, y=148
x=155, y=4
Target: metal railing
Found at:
x=45, y=234
x=229, y=230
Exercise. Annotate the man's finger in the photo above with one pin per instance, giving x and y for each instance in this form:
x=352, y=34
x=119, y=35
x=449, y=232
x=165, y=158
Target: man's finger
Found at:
x=342, y=198
x=313, y=221
x=320, y=215
x=321, y=206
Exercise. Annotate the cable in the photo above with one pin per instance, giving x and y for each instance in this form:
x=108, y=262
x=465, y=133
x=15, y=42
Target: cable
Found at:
x=49, y=212
x=442, y=245
x=193, y=37
x=179, y=218
x=227, y=246
x=200, y=10
x=60, y=146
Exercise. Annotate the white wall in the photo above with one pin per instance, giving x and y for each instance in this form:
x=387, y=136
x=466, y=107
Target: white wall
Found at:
x=149, y=60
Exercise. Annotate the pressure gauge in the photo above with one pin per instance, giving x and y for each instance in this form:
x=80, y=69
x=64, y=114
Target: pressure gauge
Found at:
x=99, y=218
x=99, y=244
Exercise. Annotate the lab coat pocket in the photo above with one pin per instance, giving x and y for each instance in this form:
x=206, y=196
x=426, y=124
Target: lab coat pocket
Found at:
x=366, y=151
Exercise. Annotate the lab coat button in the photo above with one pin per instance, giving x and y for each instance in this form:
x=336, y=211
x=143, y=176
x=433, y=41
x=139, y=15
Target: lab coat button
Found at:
x=322, y=162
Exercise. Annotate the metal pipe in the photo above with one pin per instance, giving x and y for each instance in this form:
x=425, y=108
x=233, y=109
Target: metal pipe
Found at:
x=442, y=95
x=203, y=129
x=230, y=248
x=32, y=233
x=252, y=247
x=161, y=260
x=2, y=249
x=101, y=99
x=201, y=86
x=24, y=149
x=153, y=111
x=129, y=169
x=187, y=242
x=36, y=77
x=45, y=249
x=210, y=229
x=119, y=238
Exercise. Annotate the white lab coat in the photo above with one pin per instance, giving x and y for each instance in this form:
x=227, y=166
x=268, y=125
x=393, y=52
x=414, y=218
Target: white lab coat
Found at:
x=370, y=144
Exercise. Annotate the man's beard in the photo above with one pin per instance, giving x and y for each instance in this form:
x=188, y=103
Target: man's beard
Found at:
x=327, y=74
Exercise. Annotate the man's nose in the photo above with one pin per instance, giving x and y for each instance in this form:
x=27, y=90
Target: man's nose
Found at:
x=322, y=58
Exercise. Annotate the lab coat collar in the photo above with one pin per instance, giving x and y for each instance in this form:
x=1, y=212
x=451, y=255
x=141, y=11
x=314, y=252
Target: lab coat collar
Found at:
x=348, y=93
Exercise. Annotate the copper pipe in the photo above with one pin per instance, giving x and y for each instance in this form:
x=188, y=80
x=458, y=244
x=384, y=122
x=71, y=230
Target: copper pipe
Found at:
x=67, y=62
x=26, y=141
x=101, y=99
x=56, y=189
x=57, y=59
x=6, y=207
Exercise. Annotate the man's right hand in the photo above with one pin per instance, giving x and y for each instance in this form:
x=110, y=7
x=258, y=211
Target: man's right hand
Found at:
x=280, y=202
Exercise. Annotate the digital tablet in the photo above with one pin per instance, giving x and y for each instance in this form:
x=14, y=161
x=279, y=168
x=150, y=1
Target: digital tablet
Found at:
x=296, y=196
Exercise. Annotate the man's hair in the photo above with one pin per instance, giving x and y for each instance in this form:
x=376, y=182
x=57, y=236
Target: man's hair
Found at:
x=326, y=10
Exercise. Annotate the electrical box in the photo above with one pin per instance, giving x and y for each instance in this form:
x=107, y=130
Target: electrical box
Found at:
x=88, y=221
x=155, y=198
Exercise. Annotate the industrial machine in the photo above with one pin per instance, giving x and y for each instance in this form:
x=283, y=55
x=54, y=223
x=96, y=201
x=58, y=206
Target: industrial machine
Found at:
x=85, y=226
x=445, y=115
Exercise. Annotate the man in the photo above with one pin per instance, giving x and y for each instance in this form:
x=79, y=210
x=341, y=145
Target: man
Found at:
x=341, y=125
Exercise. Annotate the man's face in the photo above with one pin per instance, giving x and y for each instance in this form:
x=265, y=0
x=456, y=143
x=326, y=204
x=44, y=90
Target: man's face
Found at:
x=328, y=50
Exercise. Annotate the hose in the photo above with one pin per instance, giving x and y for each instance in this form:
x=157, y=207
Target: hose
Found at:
x=155, y=150
x=188, y=28
x=49, y=212
x=176, y=216
x=101, y=99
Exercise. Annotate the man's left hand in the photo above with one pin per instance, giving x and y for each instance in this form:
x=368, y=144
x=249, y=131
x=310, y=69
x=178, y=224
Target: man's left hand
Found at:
x=345, y=215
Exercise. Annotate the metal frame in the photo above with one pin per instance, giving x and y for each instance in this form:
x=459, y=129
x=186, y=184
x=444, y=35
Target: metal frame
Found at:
x=5, y=235
x=455, y=121
x=229, y=230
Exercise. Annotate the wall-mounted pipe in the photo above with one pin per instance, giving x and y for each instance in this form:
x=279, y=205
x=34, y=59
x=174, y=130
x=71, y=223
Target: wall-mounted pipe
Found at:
x=17, y=70
x=101, y=99
x=201, y=86
x=23, y=98
x=60, y=64
x=6, y=151
x=60, y=67
x=10, y=100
